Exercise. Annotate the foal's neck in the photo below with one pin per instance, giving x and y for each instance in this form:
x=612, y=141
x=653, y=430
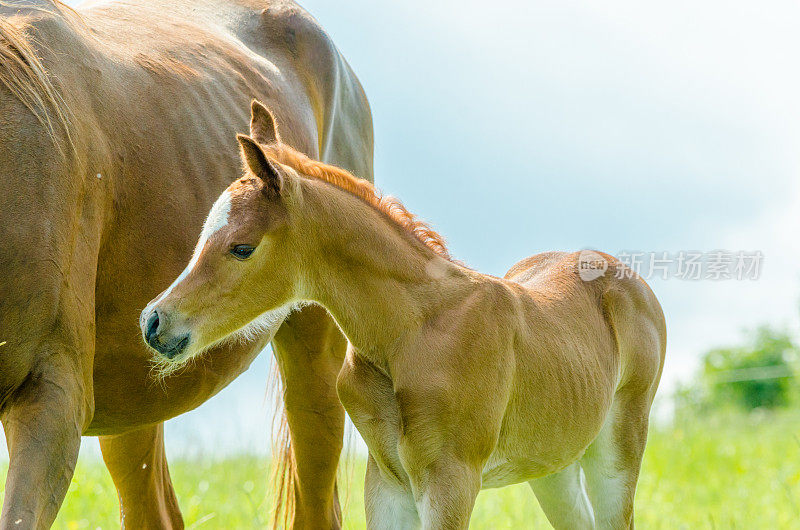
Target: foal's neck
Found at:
x=379, y=283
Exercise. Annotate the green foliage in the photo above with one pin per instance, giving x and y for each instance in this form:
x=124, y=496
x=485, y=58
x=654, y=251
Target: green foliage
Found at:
x=757, y=374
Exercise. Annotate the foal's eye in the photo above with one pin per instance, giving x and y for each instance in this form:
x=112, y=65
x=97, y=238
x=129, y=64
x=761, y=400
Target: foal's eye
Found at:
x=242, y=251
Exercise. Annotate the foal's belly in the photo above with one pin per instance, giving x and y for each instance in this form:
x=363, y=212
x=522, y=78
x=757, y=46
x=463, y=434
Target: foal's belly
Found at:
x=536, y=442
x=504, y=467
x=500, y=470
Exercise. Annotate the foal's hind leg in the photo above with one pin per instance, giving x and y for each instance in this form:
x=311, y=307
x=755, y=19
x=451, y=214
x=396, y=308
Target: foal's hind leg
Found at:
x=563, y=499
x=612, y=461
x=138, y=466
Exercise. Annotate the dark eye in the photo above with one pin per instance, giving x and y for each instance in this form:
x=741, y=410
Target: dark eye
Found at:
x=242, y=251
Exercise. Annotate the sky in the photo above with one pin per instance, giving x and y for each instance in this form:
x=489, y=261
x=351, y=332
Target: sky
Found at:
x=516, y=127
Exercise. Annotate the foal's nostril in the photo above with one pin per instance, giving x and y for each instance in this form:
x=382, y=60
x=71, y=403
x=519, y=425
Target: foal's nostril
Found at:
x=151, y=327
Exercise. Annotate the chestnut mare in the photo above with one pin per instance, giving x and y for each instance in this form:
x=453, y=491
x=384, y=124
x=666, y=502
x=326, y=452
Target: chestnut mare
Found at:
x=116, y=127
x=456, y=380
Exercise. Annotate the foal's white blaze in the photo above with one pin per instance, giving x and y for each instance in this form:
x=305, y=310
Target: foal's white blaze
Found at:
x=216, y=220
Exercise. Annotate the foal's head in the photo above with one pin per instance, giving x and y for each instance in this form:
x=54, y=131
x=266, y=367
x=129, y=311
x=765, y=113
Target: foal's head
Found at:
x=243, y=261
x=257, y=242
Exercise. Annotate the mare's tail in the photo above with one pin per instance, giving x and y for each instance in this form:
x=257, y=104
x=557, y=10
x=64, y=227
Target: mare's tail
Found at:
x=283, y=464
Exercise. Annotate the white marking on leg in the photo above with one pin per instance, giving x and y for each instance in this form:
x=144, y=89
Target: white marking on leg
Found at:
x=389, y=506
x=605, y=480
x=425, y=511
x=393, y=509
x=584, y=494
x=563, y=498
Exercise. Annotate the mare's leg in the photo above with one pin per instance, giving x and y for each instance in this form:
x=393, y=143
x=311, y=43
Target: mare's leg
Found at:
x=309, y=349
x=563, y=499
x=612, y=461
x=138, y=466
x=43, y=422
x=389, y=505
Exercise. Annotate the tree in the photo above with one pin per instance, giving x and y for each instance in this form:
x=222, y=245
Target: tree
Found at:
x=758, y=374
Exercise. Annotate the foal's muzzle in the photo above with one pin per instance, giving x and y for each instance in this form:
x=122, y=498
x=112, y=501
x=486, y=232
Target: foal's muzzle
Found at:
x=155, y=331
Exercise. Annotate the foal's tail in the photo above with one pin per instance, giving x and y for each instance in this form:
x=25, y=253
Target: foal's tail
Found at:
x=283, y=464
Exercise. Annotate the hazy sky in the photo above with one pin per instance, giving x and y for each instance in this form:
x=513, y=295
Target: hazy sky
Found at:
x=533, y=126
x=522, y=126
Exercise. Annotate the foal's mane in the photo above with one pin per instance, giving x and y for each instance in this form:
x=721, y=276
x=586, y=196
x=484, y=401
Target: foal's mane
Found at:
x=25, y=76
x=364, y=190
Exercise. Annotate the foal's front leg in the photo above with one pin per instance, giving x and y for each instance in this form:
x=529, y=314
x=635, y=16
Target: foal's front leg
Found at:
x=368, y=396
x=389, y=504
x=445, y=493
x=447, y=438
x=444, y=460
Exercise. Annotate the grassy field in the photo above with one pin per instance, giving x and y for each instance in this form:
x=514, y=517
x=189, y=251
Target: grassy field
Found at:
x=726, y=472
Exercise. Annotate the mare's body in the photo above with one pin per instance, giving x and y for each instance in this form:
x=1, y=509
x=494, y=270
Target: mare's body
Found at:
x=142, y=99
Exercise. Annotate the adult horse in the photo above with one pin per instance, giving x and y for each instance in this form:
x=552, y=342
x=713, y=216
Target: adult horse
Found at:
x=116, y=127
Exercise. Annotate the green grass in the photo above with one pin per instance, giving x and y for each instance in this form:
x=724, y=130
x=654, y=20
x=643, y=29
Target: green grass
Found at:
x=731, y=471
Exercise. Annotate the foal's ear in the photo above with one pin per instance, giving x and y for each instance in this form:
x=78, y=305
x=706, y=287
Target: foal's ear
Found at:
x=261, y=166
x=262, y=124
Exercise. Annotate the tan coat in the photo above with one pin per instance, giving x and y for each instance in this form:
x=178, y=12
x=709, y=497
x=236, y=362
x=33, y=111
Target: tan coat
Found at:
x=143, y=99
x=455, y=379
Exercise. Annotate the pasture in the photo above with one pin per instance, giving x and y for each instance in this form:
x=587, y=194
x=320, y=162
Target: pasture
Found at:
x=725, y=471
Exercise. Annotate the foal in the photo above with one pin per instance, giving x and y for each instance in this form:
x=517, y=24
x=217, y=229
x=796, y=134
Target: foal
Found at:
x=456, y=380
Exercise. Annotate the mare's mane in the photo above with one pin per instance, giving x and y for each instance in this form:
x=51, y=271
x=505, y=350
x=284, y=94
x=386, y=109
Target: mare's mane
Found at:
x=364, y=190
x=25, y=76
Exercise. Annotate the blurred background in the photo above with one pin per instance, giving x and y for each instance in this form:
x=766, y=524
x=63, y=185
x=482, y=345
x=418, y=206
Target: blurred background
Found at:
x=527, y=126
x=516, y=127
